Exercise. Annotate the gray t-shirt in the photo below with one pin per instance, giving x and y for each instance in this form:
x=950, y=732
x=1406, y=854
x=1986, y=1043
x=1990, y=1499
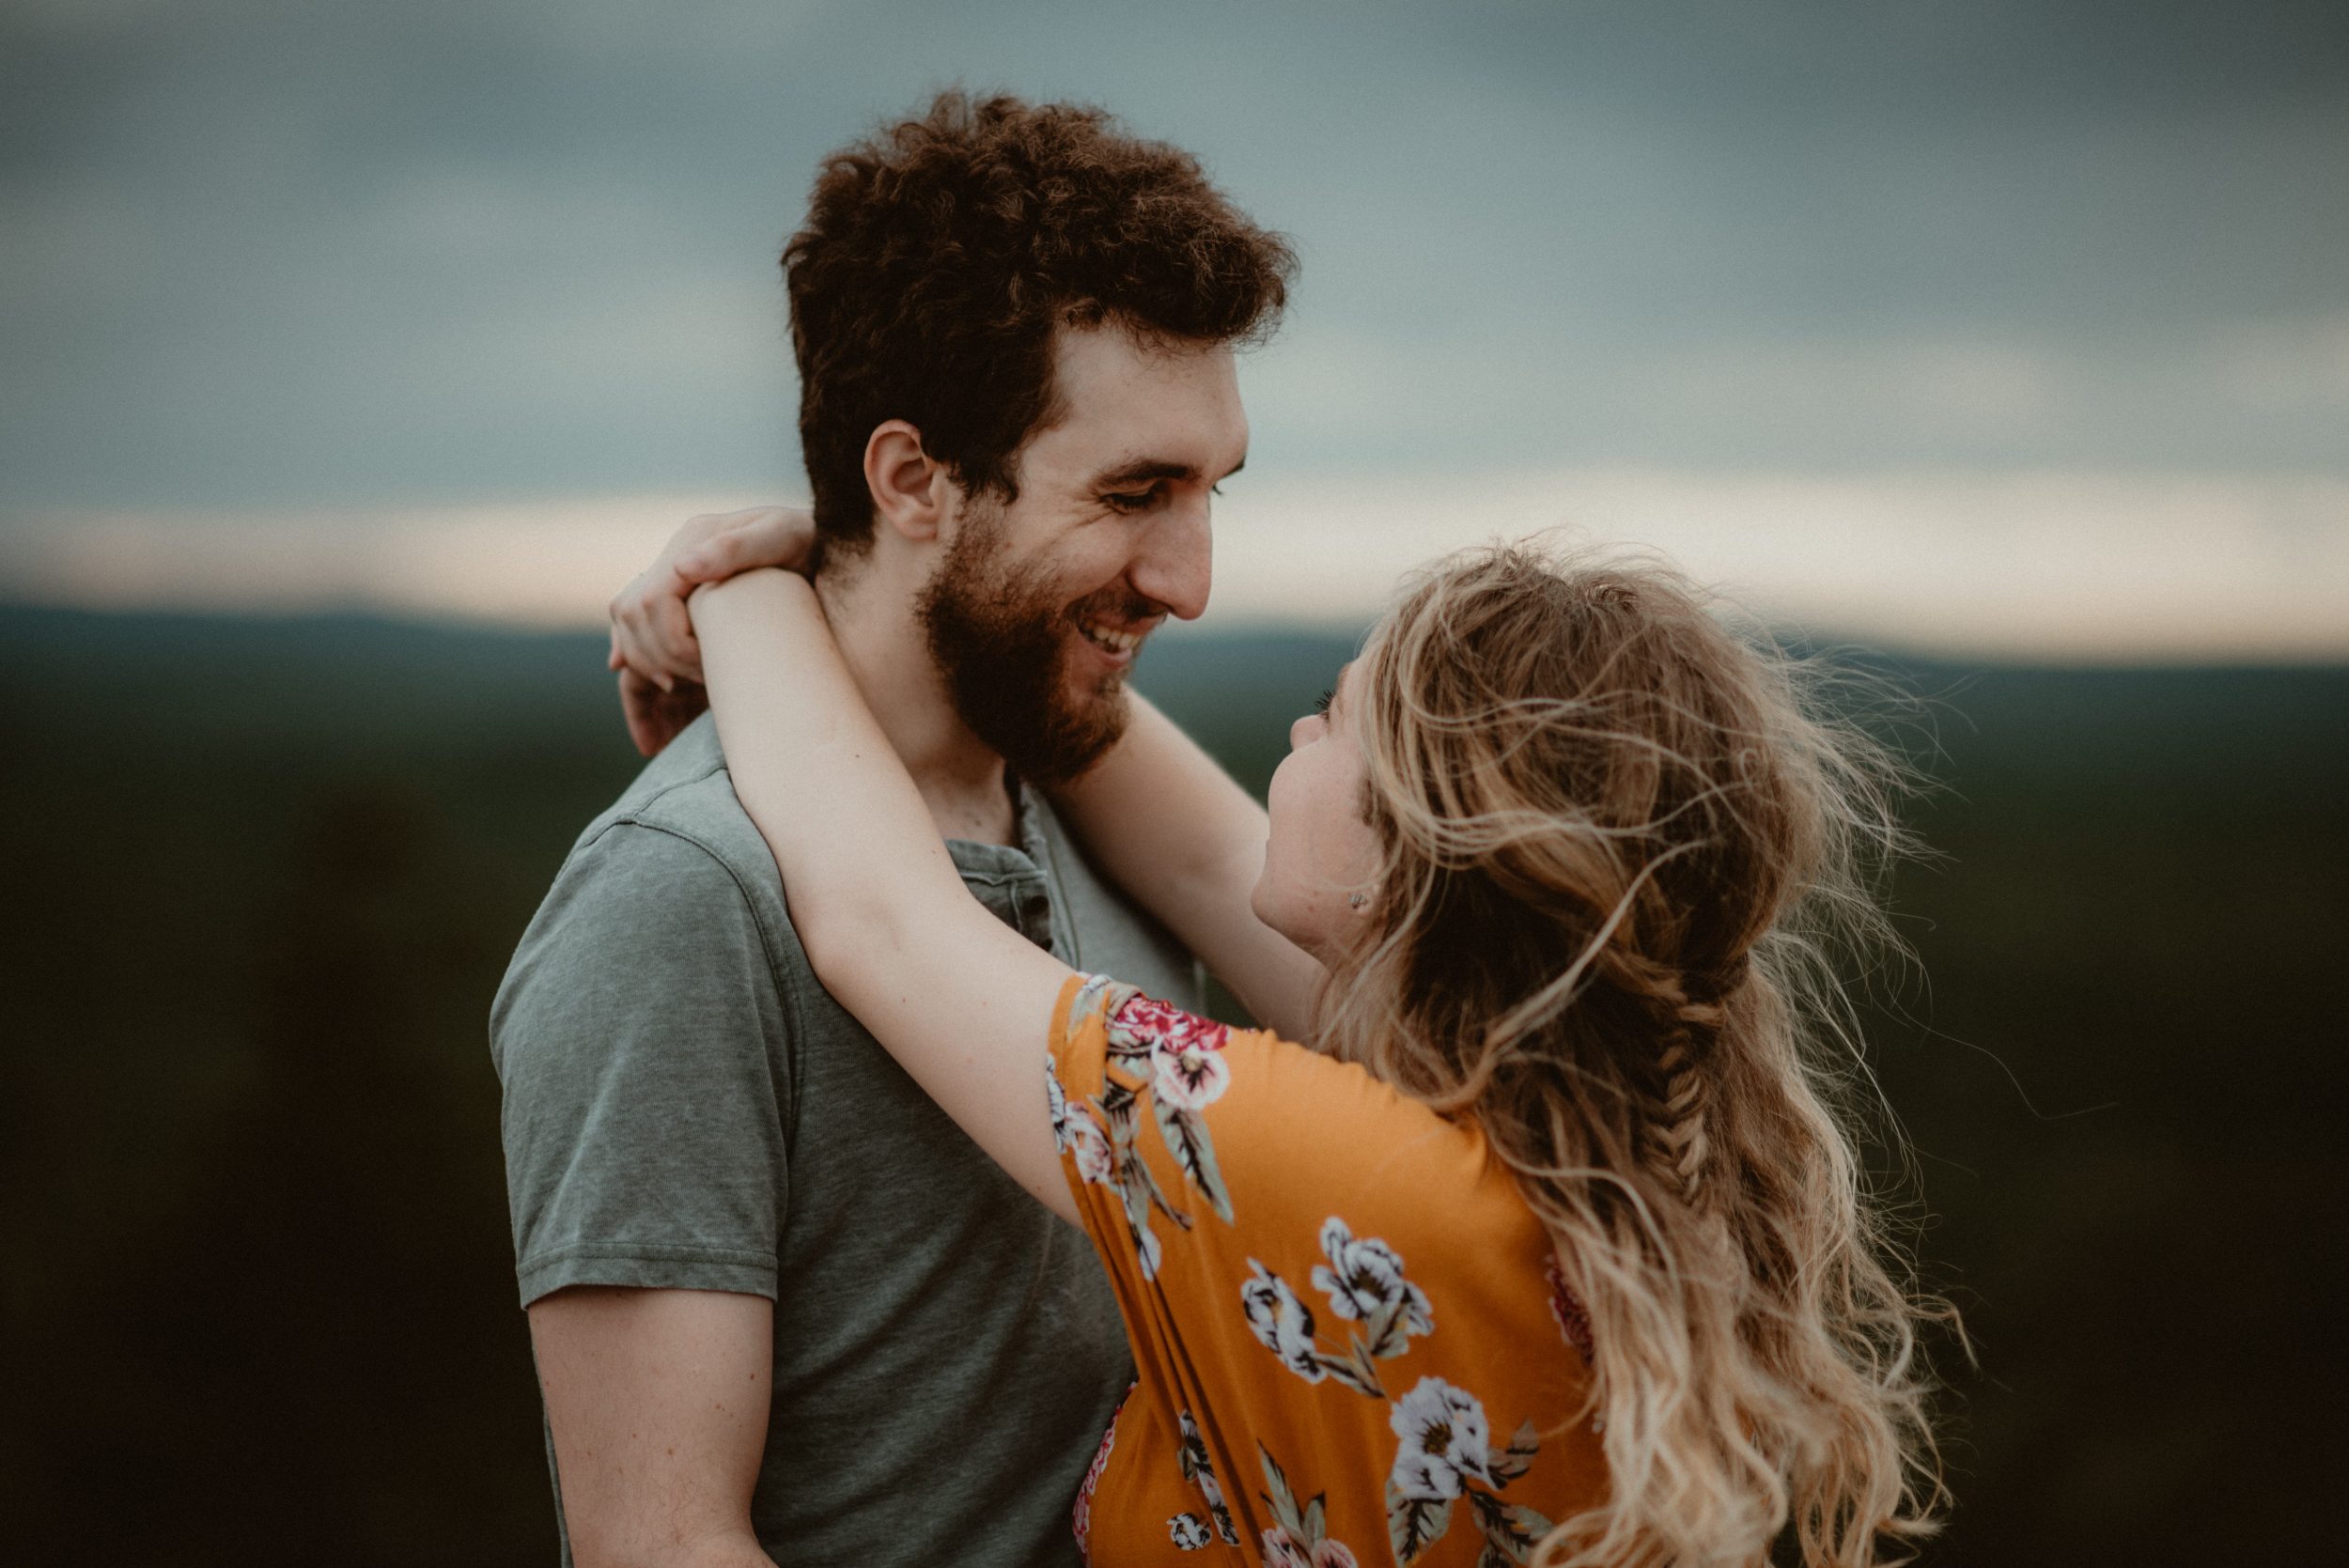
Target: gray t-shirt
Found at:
x=686, y=1107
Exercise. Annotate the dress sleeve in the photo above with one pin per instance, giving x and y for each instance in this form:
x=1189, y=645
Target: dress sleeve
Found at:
x=1225, y=1176
x=1326, y=1284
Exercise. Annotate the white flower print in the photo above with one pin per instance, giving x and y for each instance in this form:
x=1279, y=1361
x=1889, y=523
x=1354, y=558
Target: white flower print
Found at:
x=1059, y=1102
x=1189, y=1531
x=1149, y=1253
x=1190, y=1077
x=1282, y=1322
x=1208, y=1486
x=1089, y=1146
x=1443, y=1438
x=1364, y=1276
x=1199, y=1470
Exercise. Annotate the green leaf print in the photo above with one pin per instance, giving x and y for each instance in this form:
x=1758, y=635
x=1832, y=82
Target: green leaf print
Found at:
x=1413, y=1524
x=1136, y=1182
x=1509, y=1529
x=1507, y=1464
x=1185, y=1133
x=1385, y=1335
x=1283, y=1501
x=1353, y=1369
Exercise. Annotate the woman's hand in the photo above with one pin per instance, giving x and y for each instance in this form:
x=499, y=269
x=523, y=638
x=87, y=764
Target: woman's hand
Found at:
x=653, y=645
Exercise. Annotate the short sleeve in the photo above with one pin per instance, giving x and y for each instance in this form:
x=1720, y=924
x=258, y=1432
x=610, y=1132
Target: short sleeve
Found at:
x=1195, y=1151
x=641, y=1041
x=1327, y=1284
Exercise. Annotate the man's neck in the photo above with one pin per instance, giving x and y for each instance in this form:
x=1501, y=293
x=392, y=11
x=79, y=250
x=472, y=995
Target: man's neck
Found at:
x=960, y=777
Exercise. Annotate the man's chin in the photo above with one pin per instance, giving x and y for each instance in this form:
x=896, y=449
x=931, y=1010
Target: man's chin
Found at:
x=1077, y=735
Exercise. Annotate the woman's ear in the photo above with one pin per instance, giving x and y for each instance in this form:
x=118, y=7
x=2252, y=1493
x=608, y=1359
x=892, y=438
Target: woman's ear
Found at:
x=910, y=490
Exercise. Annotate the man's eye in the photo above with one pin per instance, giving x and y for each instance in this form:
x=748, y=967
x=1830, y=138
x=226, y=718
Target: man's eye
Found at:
x=1139, y=501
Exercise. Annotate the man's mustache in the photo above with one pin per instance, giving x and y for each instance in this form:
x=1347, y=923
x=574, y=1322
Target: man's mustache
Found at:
x=1119, y=604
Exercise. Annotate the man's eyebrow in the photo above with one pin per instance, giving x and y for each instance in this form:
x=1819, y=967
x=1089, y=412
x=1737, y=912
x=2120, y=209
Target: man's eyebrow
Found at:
x=1142, y=470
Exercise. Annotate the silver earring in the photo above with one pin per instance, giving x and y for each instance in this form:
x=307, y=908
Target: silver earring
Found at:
x=1357, y=900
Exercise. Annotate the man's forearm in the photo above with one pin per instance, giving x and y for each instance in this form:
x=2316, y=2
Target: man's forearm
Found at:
x=729, y=1551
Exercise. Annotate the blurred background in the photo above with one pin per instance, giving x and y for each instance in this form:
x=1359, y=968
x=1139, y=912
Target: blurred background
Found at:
x=355, y=353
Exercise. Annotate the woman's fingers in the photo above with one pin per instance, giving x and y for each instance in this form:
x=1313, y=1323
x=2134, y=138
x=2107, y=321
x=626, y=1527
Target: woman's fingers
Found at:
x=640, y=705
x=673, y=638
x=633, y=634
x=653, y=647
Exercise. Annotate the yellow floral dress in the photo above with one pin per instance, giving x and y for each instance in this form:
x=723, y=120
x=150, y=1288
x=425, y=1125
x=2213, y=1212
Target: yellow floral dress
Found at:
x=1352, y=1343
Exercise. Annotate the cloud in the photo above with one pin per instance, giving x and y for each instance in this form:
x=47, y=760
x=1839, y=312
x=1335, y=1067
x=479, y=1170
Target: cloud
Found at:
x=2065, y=565
x=255, y=243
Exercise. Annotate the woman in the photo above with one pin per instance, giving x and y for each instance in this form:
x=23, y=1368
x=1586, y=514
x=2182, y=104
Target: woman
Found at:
x=1549, y=1247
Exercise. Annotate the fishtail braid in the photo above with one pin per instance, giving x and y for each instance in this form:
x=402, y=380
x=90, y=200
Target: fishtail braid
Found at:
x=1676, y=1131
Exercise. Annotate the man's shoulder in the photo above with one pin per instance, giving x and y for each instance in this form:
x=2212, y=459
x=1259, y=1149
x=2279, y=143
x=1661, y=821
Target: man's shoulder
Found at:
x=684, y=795
x=670, y=888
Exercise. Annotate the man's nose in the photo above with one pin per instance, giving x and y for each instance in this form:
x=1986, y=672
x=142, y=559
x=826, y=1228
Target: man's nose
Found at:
x=1177, y=562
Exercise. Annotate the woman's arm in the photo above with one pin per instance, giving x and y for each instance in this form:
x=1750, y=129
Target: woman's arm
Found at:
x=959, y=998
x=1158, y=814
x=1172, y=828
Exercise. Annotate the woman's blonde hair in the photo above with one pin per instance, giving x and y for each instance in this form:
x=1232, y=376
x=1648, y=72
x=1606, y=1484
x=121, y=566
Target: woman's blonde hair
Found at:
x=1623, y=853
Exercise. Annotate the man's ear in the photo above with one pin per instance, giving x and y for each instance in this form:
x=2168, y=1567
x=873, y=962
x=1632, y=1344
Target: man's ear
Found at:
x=911, y=491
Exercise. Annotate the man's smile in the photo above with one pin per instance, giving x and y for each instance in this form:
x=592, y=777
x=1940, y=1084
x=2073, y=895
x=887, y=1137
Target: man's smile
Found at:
x=1115, y=638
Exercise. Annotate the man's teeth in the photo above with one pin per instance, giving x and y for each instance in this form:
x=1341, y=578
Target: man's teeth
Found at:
x=1114, y=640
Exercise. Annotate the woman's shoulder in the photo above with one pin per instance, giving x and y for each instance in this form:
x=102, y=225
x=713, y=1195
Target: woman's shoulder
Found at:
x=1341, y=1287
x=1275, y=1135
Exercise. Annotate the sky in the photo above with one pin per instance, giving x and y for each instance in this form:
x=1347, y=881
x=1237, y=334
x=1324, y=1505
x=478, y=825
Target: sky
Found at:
x=2012, y=329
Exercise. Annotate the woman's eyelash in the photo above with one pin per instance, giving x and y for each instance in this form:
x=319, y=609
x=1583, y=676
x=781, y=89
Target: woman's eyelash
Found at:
x=1322, y=706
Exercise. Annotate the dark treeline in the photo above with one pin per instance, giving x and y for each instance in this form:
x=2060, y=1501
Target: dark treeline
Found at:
x=262, y=877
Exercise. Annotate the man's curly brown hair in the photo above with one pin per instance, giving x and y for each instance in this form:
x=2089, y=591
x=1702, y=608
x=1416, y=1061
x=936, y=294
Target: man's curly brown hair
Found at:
x=940, y=254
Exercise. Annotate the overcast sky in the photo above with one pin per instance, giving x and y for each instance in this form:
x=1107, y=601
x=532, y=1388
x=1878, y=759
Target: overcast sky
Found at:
x=335, y=262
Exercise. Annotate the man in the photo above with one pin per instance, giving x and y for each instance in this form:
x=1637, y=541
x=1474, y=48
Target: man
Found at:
x=782, y=1309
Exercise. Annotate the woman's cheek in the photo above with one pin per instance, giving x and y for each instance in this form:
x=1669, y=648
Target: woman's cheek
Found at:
x=1278, y=900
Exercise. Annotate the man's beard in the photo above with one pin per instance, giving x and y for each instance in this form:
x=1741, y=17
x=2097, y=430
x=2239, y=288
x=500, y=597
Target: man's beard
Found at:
x=1000, y=636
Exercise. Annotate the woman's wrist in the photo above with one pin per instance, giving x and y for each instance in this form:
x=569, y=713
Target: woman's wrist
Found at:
x=763, y=591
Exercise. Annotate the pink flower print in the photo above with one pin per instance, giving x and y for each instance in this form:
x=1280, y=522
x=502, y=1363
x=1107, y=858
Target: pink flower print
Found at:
x=1281, y=1549
x=1080, y=1516
x=1573, y=1319
x=1089, y=1146
x=1284, y=1550
x=1190, y=1077
x=1147, y=1021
